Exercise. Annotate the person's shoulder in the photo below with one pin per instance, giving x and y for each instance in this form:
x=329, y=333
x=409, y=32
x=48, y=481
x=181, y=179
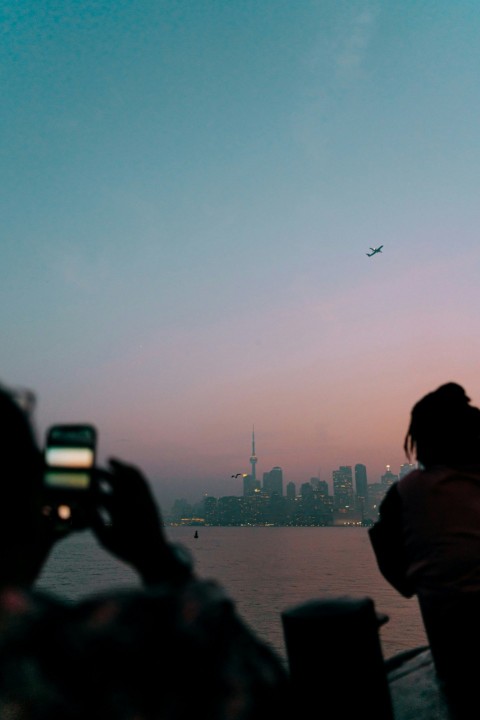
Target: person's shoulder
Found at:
x=413, y=477
x=161, y=608
x=423, y=481
x=18, y=602
x=439, y=473
x=108, y=641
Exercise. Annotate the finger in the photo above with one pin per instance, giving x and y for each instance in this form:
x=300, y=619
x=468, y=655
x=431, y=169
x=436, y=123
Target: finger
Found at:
x=100, y=525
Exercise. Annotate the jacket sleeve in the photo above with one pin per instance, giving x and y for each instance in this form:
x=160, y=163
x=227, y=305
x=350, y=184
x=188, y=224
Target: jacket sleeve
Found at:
x=386, y=537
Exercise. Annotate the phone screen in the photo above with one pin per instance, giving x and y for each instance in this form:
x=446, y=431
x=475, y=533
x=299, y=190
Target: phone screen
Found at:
x=67, y=480
x=69, y=457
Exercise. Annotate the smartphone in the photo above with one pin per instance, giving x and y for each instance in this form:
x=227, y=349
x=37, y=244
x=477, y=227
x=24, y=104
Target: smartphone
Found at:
x=69, y=475
x=70, y=457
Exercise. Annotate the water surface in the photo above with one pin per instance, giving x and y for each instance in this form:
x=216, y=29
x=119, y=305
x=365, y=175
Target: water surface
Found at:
x=266, y=570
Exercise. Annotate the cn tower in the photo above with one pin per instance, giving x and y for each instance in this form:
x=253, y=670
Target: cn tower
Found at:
x=253, y=457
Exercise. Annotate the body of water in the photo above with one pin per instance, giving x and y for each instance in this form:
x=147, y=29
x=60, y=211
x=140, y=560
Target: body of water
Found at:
x=266, y=570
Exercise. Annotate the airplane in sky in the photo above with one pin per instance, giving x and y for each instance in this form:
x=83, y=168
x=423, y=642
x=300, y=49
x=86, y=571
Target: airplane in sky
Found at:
x=375, y=251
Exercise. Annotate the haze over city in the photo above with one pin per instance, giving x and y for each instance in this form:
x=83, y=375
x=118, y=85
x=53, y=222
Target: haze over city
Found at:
x=188, y=195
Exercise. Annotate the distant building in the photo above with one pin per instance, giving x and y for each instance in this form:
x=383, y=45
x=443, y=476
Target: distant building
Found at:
x=361, y=487
x=210, y=510
x=388, y=478
x=376, y=493
x=306, y=490
x=291, y=491
x=229, y=510
x=406, y=468
x=343, y=496
x=314, y=506
x=273, y=481
x=250, y=486
x=321, y=487
x=354, y=501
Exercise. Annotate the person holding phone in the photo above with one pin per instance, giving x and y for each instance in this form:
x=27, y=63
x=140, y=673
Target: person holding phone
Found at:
x=427, y=538
x=173, y=649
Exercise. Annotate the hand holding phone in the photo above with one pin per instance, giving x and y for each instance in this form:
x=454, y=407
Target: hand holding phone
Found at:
x=69, y=475
x=134, y=531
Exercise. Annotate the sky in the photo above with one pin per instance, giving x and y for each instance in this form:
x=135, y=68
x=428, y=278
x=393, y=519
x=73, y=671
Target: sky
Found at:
x=188, y=191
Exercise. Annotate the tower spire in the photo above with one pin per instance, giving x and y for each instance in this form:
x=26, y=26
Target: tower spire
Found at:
x=253, y=457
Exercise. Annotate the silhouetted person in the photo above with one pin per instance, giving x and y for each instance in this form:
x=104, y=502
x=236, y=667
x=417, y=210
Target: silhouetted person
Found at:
x=173, y=649
x=427, y=539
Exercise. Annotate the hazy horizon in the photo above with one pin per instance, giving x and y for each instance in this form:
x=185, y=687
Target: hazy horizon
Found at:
x=188, y=196
x=184, y=489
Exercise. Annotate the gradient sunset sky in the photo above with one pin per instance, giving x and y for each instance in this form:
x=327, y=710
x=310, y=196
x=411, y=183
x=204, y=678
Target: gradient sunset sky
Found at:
x=189, y=189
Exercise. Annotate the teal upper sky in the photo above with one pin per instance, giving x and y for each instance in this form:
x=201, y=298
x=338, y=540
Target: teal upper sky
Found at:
x=188, y=191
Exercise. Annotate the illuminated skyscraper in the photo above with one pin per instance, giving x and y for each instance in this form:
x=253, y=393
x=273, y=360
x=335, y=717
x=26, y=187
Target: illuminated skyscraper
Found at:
x=388, y=478
x=361, y=486
x=343, y=488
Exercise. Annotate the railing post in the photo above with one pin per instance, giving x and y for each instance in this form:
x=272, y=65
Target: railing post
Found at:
x=335, y=658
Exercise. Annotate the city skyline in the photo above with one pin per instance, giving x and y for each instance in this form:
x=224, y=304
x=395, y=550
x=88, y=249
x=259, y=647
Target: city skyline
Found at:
x=349, y=501
x=188, y=195
x=238, y=481
x=233, y=483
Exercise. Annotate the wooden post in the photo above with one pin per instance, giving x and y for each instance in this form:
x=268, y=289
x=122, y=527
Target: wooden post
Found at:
x=335, y=659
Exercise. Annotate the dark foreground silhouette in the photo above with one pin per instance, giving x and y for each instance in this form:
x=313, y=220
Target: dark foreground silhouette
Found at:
x=427, y=540
x=175, y=648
